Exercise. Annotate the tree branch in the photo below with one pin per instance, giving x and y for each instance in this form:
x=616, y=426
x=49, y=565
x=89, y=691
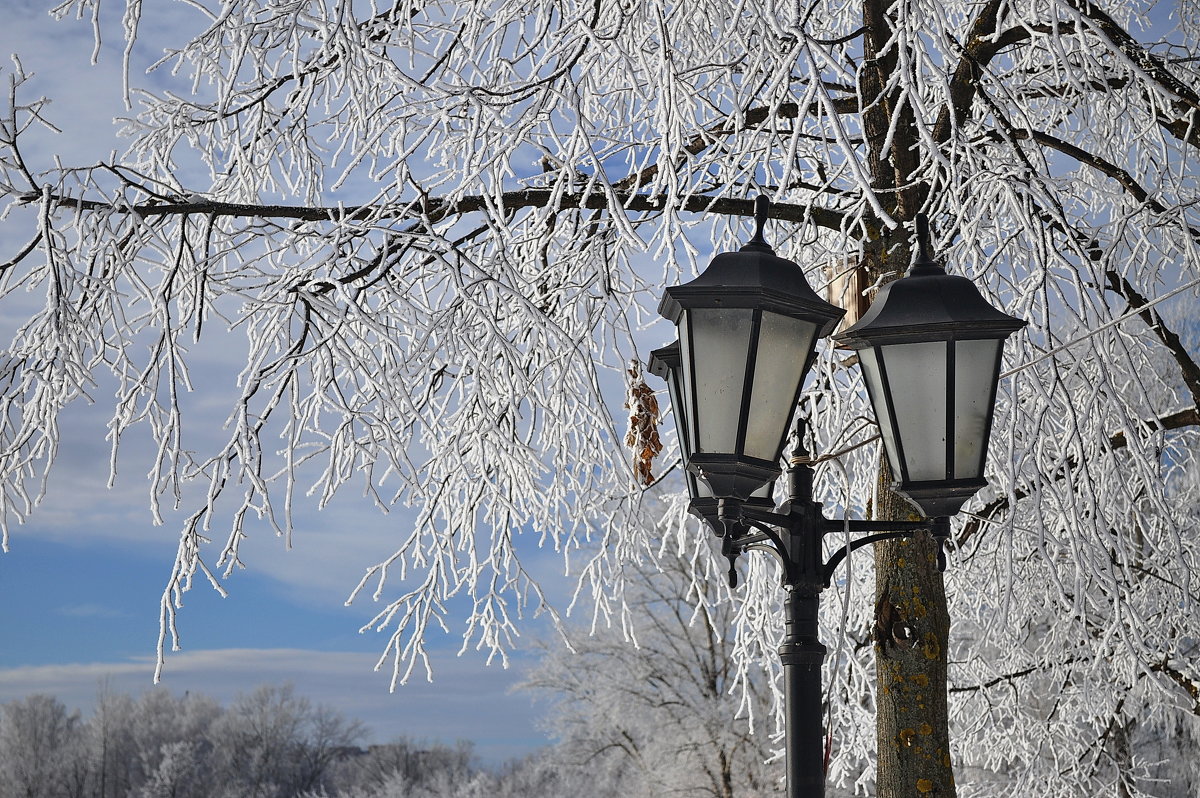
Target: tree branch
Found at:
x=982, y=45
x=1146, y=61
x=1188, y=417
x=1188, y=686
x=751, y=119
x=1187, y=365
x=1007, y=677
x=438, y=208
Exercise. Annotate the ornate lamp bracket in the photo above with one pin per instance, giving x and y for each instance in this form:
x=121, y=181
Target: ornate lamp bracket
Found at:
x=795, y=536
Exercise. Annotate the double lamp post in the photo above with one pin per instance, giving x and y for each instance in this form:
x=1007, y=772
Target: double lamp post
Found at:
x=929, y=347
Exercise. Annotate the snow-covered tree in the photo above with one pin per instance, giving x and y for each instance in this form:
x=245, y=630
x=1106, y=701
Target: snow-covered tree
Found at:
x=164, y=730
x=177, y=773
x=111, y=744
x=272, y=743
x=41, y=755
x=405, y=768
x=661, y=716
x=435, y=232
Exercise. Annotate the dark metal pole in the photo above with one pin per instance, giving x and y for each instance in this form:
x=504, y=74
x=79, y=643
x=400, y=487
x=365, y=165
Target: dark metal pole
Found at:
x=802, y=654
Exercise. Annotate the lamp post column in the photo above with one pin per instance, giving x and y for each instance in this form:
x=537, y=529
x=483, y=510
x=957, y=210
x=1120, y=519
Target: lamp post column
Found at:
x=802, y=655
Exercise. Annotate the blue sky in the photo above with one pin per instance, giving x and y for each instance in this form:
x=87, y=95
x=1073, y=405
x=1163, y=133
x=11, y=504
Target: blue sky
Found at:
x=80, y=587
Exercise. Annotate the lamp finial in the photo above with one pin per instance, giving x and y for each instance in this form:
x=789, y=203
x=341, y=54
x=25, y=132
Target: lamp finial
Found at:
x=923, y=237
x=762, y=207
x=924, y=262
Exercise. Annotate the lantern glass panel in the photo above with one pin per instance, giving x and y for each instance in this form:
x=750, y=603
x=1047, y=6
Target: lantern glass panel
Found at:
x=916, y=375
x=686, y=424
x=784, y=345
x=975, y=368
x=870, y=370
x=719, y=377
x=697, y=487
x=679, y=410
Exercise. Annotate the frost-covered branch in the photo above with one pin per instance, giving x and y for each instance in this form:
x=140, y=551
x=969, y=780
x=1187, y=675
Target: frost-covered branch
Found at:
x=437, y=209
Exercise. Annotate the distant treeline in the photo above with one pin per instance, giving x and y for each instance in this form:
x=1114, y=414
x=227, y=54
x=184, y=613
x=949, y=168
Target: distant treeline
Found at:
x=270, y=743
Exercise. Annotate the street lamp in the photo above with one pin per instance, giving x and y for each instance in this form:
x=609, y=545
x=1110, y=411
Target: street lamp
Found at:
x=666, y=364
x=748, y=327
x=930, y=351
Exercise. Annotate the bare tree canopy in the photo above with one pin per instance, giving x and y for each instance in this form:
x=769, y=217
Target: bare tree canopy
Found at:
x=435, y=233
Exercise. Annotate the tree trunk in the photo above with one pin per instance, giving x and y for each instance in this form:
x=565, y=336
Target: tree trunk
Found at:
x=912, y=621
x=912, y=627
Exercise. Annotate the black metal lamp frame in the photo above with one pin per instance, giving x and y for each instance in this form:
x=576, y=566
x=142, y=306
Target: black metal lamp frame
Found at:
x=926, y=306
x=794, y=532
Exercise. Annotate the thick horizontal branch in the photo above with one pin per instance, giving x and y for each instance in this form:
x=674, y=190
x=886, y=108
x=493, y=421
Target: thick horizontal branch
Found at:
x=437, y=209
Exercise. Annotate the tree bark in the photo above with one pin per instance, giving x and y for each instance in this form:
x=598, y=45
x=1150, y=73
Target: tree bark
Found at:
x=912, y=630
x=912, y=620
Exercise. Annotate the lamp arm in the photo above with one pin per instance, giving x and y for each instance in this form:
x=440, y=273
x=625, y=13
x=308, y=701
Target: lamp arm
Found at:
x=938, y=527
x=766, y=530
x=751, y=513
x=768, y=540
x=836, y=558
x=796, y=566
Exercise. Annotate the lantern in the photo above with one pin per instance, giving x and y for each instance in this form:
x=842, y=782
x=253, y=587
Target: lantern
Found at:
x=930, y=347
x=666, y=364
x=748, y=327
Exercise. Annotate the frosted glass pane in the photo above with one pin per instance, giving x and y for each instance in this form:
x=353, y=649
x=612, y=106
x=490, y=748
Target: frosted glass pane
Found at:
x=688, y=394
x=675, y=384
x=870, y=369
x=783, y=348
x=917, y=376
x=685, y=419
x=720, y=344
x=974, y=369
x=697, y=487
